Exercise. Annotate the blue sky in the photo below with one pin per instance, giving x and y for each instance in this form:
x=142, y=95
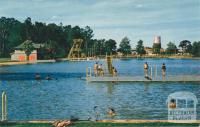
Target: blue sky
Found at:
x=173, y=20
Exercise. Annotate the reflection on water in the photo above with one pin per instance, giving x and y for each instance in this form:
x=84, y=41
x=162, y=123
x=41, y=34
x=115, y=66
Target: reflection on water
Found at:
x=68, y=95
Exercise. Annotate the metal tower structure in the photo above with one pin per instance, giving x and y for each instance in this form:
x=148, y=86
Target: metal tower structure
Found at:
x=75, y=51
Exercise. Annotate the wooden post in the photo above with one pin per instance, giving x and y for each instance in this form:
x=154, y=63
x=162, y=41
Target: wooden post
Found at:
x=155, y=73
x=86, y=72
x=4, y=106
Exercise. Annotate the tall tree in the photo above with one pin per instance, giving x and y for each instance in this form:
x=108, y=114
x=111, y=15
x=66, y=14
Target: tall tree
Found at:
x=9, y=35
x=100, y=47
x=171, y=48
x=110, y=46
x=28, y=28
x=27, y=47
x=140, y=48
x=125, y=46
x=186, y=46
x=196, y=49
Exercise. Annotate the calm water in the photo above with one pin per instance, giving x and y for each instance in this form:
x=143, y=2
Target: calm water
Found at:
x=68, y=95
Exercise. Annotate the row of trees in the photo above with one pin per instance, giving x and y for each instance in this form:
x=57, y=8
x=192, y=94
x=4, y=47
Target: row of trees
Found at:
x=58, y=39
x=186, y=46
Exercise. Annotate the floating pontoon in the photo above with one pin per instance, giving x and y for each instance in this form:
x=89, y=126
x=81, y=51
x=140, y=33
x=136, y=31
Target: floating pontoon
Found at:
x=182, y=78
x=151, y=78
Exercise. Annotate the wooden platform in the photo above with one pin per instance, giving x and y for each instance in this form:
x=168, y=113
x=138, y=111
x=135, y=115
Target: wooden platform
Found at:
x=175, y=78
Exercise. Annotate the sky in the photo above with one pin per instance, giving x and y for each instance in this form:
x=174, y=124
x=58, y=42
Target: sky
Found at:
x=173, y=20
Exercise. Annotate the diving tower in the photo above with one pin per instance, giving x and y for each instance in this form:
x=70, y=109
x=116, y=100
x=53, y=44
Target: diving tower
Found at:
x=76, y=52
x=109, y=64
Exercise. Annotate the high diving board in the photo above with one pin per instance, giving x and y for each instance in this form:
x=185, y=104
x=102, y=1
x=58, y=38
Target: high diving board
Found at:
x=180, y=78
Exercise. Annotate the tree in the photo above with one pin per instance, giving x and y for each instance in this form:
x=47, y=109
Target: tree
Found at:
x=125, y=46
x=13, y=32
x=156, y=48
x=196, y=49
x=100, y=47
x=27, y=47
x=171, y=48
x=140, y=48
x=110, y=46
x=186, y=46
x=28, y=28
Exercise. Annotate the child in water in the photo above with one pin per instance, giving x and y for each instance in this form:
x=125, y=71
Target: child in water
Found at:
x=111, y=111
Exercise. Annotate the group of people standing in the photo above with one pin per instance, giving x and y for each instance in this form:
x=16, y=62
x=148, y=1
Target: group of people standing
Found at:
x=146, y=67
x=98, y=69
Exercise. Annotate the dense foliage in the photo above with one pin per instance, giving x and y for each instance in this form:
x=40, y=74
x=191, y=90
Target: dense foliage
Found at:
x=58, y=39
x=156, y=48
x=186, y=46
x=125, y=46
x=196, y=48
x=171, y=48
x=27, y=47
x=140, y=48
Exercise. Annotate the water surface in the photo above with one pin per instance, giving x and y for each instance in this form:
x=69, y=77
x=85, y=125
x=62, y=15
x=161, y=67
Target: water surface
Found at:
x=68, y=95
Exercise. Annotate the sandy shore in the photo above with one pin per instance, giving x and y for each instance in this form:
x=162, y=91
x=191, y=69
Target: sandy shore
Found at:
x=8, y=63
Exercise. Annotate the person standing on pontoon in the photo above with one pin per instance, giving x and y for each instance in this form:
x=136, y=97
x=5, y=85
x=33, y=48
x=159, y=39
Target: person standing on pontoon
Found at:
x=163, y=70
x=95, y=69
x=114, y=71
x=146, y=66
x=101, y=71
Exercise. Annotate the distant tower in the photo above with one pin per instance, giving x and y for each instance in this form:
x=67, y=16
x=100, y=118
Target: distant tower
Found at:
x=156, y=44
x=157, y=40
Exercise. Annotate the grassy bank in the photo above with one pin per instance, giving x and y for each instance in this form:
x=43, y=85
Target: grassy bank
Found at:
x=98, y=124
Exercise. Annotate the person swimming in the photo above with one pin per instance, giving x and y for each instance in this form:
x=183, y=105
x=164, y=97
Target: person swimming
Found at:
x=37, y=76
x=172, y=104
x=48, y=77
x=111, y=111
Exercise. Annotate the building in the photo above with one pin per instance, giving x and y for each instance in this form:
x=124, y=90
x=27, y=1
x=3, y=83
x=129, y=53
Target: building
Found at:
x=134, y=52
x=19, y=54
x=148, y=50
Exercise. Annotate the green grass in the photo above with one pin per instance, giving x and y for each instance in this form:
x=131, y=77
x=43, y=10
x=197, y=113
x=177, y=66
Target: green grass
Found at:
x=25, y=125
x=94, y=124
x=5, y=60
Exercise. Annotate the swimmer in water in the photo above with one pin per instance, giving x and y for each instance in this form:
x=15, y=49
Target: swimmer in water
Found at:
x=37, y=76
x=48, y=77
x=111, y=111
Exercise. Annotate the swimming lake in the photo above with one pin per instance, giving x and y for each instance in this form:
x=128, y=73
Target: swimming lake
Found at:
x=67, y=94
